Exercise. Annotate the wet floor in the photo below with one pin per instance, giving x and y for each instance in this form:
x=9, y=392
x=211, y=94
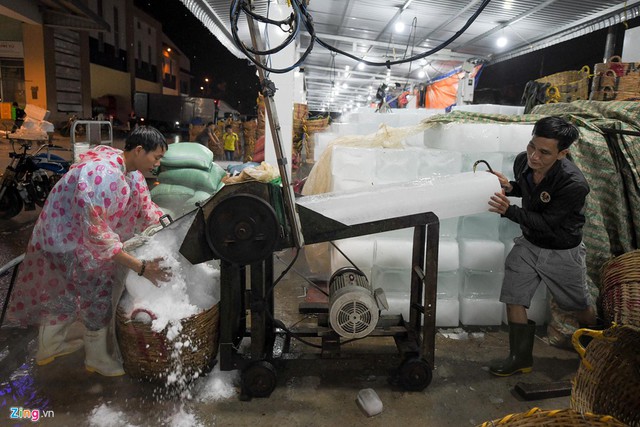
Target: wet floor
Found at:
x=309, y=392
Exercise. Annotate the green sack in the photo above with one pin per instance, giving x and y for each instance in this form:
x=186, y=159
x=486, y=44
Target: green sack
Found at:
x=187, y=155
x=175, y=200
x=199, y=196
x=162, y=190
x=196, y=179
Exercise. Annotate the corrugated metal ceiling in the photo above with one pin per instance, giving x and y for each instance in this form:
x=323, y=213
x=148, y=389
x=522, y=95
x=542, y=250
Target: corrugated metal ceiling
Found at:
x=366, y=29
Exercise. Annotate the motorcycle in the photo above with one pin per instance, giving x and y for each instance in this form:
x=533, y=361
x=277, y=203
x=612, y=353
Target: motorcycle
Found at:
x=29, y=178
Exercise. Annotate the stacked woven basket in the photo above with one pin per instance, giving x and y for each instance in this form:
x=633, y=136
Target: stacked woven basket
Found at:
x=567, y=86
x=608, y=379
x=620, y=292
x=616, y=80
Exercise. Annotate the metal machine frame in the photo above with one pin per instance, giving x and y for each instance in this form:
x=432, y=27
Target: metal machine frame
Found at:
x=210, y=234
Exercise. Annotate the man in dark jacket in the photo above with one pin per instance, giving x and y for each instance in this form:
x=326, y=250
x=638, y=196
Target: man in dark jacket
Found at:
x=550, y=250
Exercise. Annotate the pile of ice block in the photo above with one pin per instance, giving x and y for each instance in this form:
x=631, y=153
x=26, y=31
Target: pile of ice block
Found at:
x=365, y=121
x=472, y=247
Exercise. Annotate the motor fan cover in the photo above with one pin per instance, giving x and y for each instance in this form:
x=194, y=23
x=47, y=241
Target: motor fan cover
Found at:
x=353, y=311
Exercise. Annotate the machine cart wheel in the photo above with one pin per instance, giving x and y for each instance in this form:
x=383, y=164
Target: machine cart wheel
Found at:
x=258, y=379
x=415, y=374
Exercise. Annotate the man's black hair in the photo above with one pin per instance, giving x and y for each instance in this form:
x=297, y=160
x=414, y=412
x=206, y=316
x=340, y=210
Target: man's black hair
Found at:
x=210, y=123
x=554, y=127
x=148, y=137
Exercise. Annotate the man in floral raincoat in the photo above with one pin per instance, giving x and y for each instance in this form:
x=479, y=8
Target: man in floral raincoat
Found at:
x=71, y=262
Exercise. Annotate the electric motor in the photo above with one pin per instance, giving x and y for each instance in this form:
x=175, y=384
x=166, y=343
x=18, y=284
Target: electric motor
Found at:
x=354, y=307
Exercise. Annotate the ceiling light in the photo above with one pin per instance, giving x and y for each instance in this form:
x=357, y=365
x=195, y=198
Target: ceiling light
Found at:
x=501, y=42
x=421, y=74
x=347, y=68
x=344, y=85
x=360, y=66
x=399, y=27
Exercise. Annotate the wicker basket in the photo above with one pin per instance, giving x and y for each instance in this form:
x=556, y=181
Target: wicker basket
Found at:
x=567, y=86
x=558, y=418
x=608, y=379
x=616, y=80
x=148, y=355
x=620, y=292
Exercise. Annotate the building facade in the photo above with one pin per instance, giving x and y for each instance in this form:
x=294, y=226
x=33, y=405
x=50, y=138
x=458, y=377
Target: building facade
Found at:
x=83, y=57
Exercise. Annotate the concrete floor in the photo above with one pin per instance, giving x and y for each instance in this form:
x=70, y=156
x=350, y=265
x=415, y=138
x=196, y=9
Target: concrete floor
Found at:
x=310, y=391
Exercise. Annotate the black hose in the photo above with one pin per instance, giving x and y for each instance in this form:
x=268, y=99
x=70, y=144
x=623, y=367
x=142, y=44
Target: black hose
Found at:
x=301, y=14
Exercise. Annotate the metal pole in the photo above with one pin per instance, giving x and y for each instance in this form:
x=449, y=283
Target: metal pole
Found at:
x=274, y=124
x=610, y=44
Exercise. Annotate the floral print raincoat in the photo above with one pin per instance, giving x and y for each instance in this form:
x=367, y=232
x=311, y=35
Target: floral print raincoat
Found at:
x=68, y=272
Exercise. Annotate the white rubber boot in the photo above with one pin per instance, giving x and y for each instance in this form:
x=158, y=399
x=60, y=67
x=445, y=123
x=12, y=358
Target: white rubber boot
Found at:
x=52, y=342
x=96, y=357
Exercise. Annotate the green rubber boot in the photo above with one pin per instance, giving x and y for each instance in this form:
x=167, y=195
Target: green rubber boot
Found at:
x=520, y=359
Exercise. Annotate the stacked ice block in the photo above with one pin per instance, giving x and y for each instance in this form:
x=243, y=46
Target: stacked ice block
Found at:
x=472, y=247
x=365, y=121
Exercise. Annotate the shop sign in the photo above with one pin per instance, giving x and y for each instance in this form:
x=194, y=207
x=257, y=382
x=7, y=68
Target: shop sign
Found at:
x=11, y=49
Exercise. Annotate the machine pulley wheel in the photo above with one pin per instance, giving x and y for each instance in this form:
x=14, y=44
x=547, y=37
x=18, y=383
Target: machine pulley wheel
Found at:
x=415, y=374
x=242, y=229
x=259, y=379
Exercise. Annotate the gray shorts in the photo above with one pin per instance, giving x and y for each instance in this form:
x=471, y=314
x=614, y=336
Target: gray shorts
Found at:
x=564, y=273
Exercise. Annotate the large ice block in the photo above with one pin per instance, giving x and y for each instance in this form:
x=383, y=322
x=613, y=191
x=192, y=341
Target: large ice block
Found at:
x=448, y=255
x=480, y=226
x=477, y=254
x=447, y=313
x=482, y=284
x=358, y=249
x=447, y=310
x=393, y=253
x=449, y=227
x=353, y=163
x=391, y=279
x=449, y=284
x=464, y=137
x=350, y=184
x=321, y=141
x=447, y=196
x=480, y=312
x=508, y=229
x=395, y=165
x=515, y=137
x=507, y=165
x=433, y=162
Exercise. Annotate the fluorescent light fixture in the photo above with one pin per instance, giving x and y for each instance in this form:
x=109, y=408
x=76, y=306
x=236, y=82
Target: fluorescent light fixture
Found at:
x=502, y=41
x=360, y=66
x=399, y=27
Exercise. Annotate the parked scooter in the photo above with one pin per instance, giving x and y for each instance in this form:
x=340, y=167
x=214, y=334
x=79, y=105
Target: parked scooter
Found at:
x=29, y=178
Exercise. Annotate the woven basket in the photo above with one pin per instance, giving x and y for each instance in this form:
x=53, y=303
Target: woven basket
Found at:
x=567, y=86
x=616, y=80
x=558, y=418
x=616, y=65
x=608, y=379
x=620, y=292
x=148, y=355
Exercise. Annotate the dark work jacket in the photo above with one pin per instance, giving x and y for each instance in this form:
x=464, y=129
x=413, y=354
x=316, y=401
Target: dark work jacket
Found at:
x=552, y=213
